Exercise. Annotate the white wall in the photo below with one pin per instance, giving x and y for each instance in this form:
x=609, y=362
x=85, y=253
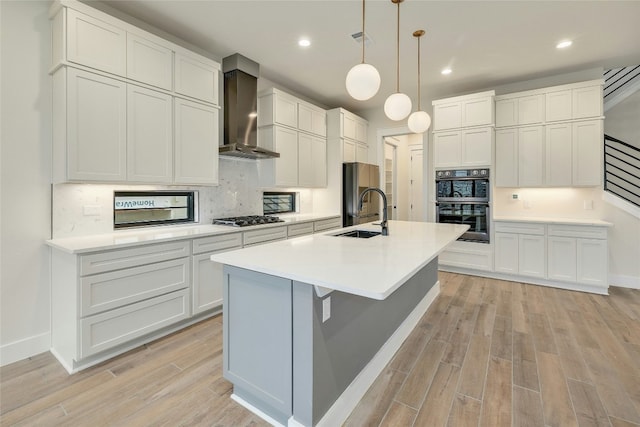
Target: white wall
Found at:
x=623, y=120
x=25, y=175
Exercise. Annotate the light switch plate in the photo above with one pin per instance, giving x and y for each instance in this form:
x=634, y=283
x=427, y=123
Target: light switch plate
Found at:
x=326, y=309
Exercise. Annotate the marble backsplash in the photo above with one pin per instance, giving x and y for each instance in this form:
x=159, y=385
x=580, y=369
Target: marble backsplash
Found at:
x=238, y=194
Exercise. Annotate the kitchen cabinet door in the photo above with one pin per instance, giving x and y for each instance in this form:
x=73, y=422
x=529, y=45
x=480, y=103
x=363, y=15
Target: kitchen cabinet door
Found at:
x=476, y=147
x=196, y=143
x=207, y=283
x=312, y=119
x=95, y=43
x=149, y=136
x=285, y=110
x=507, y=112
x=362, y=153
x=149, y=62
x=587, y=102
x=587, y=153
x=530, y=109
x=531, y=255
x=447, y=116
x=196, y=77
x=558, y=154
x=507, y=157
x=477, y=112
x=349, y=126
x=558, y=105
x=447, y=146
x=592, y=262
x=305, y=160
x=319, y=157
x=561, y=258
x=530, y=156
x=96, y=127
x=506, y=253
x=348, y=151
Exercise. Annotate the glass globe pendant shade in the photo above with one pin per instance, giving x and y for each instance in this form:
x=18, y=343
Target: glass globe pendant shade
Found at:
x=397, y=106
x=363, y=81
x=419, y=122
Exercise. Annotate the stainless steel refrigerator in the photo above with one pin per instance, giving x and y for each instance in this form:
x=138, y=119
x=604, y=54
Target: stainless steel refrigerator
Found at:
x=355, y=178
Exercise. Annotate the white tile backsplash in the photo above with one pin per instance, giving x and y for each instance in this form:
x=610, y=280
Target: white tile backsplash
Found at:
x=238, y=194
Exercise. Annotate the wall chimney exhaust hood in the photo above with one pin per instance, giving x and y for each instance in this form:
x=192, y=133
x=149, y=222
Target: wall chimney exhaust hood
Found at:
x=241, y=109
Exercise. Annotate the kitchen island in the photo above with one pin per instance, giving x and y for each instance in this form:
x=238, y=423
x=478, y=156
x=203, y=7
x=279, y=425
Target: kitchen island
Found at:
x=310, y=322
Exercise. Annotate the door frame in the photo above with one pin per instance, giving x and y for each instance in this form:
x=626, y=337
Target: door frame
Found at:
x=427, y=172
x=394, y=177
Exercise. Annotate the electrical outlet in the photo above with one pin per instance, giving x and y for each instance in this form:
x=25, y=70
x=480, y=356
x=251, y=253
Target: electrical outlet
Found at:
x=91, y=210
x=514, y=196
x=326, y=309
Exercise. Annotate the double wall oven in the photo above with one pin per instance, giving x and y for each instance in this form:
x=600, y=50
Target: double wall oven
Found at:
x=462, y=197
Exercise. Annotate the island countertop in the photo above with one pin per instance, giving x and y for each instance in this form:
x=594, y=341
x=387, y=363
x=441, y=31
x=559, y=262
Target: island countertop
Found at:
x=372, y=268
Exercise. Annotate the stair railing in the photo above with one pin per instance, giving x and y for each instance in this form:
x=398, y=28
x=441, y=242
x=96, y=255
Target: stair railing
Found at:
x=622, y=169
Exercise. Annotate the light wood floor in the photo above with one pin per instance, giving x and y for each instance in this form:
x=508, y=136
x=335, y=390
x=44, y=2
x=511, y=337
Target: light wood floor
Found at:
x=487, y=353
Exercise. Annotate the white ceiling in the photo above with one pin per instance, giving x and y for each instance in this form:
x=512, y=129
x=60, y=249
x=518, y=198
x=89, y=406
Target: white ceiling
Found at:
x=487, y=43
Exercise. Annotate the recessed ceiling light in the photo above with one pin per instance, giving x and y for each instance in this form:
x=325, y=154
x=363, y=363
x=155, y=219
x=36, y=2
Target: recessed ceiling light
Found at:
x=304, y=42
x=564, y=44
x=446, y=71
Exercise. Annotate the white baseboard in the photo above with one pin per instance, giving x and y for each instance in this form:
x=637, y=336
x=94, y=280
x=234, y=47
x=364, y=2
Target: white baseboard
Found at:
x=22, y=349
x=240, y=401
x=624, y=281
x=342, y=408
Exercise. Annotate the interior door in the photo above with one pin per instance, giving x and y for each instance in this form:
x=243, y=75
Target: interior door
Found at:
x=416, y=191
x=391, y=180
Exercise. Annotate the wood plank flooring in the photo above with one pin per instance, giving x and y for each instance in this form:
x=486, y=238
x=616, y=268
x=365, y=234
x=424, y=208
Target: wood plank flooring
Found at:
x=487, y=353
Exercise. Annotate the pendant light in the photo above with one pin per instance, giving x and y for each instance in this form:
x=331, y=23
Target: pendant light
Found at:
x=363, y=80
x=419, y=121
x=398, y=105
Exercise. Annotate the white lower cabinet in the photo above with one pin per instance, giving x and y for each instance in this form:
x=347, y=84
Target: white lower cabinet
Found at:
x=578, y=254
x=207, y=275
x=563, y=255
x=103, y=301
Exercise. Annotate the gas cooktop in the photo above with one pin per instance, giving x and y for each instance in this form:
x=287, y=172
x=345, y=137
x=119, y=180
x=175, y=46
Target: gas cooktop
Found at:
x=243, y=221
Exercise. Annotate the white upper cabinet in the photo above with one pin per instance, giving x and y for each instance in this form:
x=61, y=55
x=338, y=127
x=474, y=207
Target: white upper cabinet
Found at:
x=95, y=43
x=531, y=109
x=447, y=116
x=149, y=62
x=95, y=131
x=149, y=136
x=464, y=111
x=447, y=149
x=114, y=90
x=283, y=171
x=587, y=102
x=587, y=153
x=565, y=150
x=196, y=143
x=312, y=119
x=196, y=77
x=558, y=105
x=277, y=107
x=530, y=156
x=476, y=148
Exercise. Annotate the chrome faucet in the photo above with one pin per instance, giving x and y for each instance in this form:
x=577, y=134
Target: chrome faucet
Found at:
x=383, y=223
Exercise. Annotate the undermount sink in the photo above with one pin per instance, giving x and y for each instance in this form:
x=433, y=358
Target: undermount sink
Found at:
x=360, y=234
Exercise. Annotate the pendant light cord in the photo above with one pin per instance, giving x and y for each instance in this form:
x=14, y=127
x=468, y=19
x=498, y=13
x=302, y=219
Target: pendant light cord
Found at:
x=363, y=36
x=398, y=52
x=419, y=73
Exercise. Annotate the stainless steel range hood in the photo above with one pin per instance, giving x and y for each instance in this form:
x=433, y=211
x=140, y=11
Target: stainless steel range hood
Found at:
x=241, y=109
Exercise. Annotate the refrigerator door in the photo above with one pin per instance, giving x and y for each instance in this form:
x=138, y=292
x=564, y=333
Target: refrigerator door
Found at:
x=356, y=178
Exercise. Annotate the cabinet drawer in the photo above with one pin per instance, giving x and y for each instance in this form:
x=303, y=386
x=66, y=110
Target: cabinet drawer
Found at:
x=327, y=224
x=217, y=243
x=264, y=235
x=133, y=257
x=519, y=227
x=106, y=330
x=106, y=291
x=583, y=231
x=300, y=229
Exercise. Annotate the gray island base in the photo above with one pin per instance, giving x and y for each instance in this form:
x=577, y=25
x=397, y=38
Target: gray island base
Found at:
x=310, y=323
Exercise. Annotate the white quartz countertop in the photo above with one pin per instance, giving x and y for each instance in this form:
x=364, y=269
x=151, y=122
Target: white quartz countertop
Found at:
x=371, y=268
x=126, y=238
x=551, y=220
